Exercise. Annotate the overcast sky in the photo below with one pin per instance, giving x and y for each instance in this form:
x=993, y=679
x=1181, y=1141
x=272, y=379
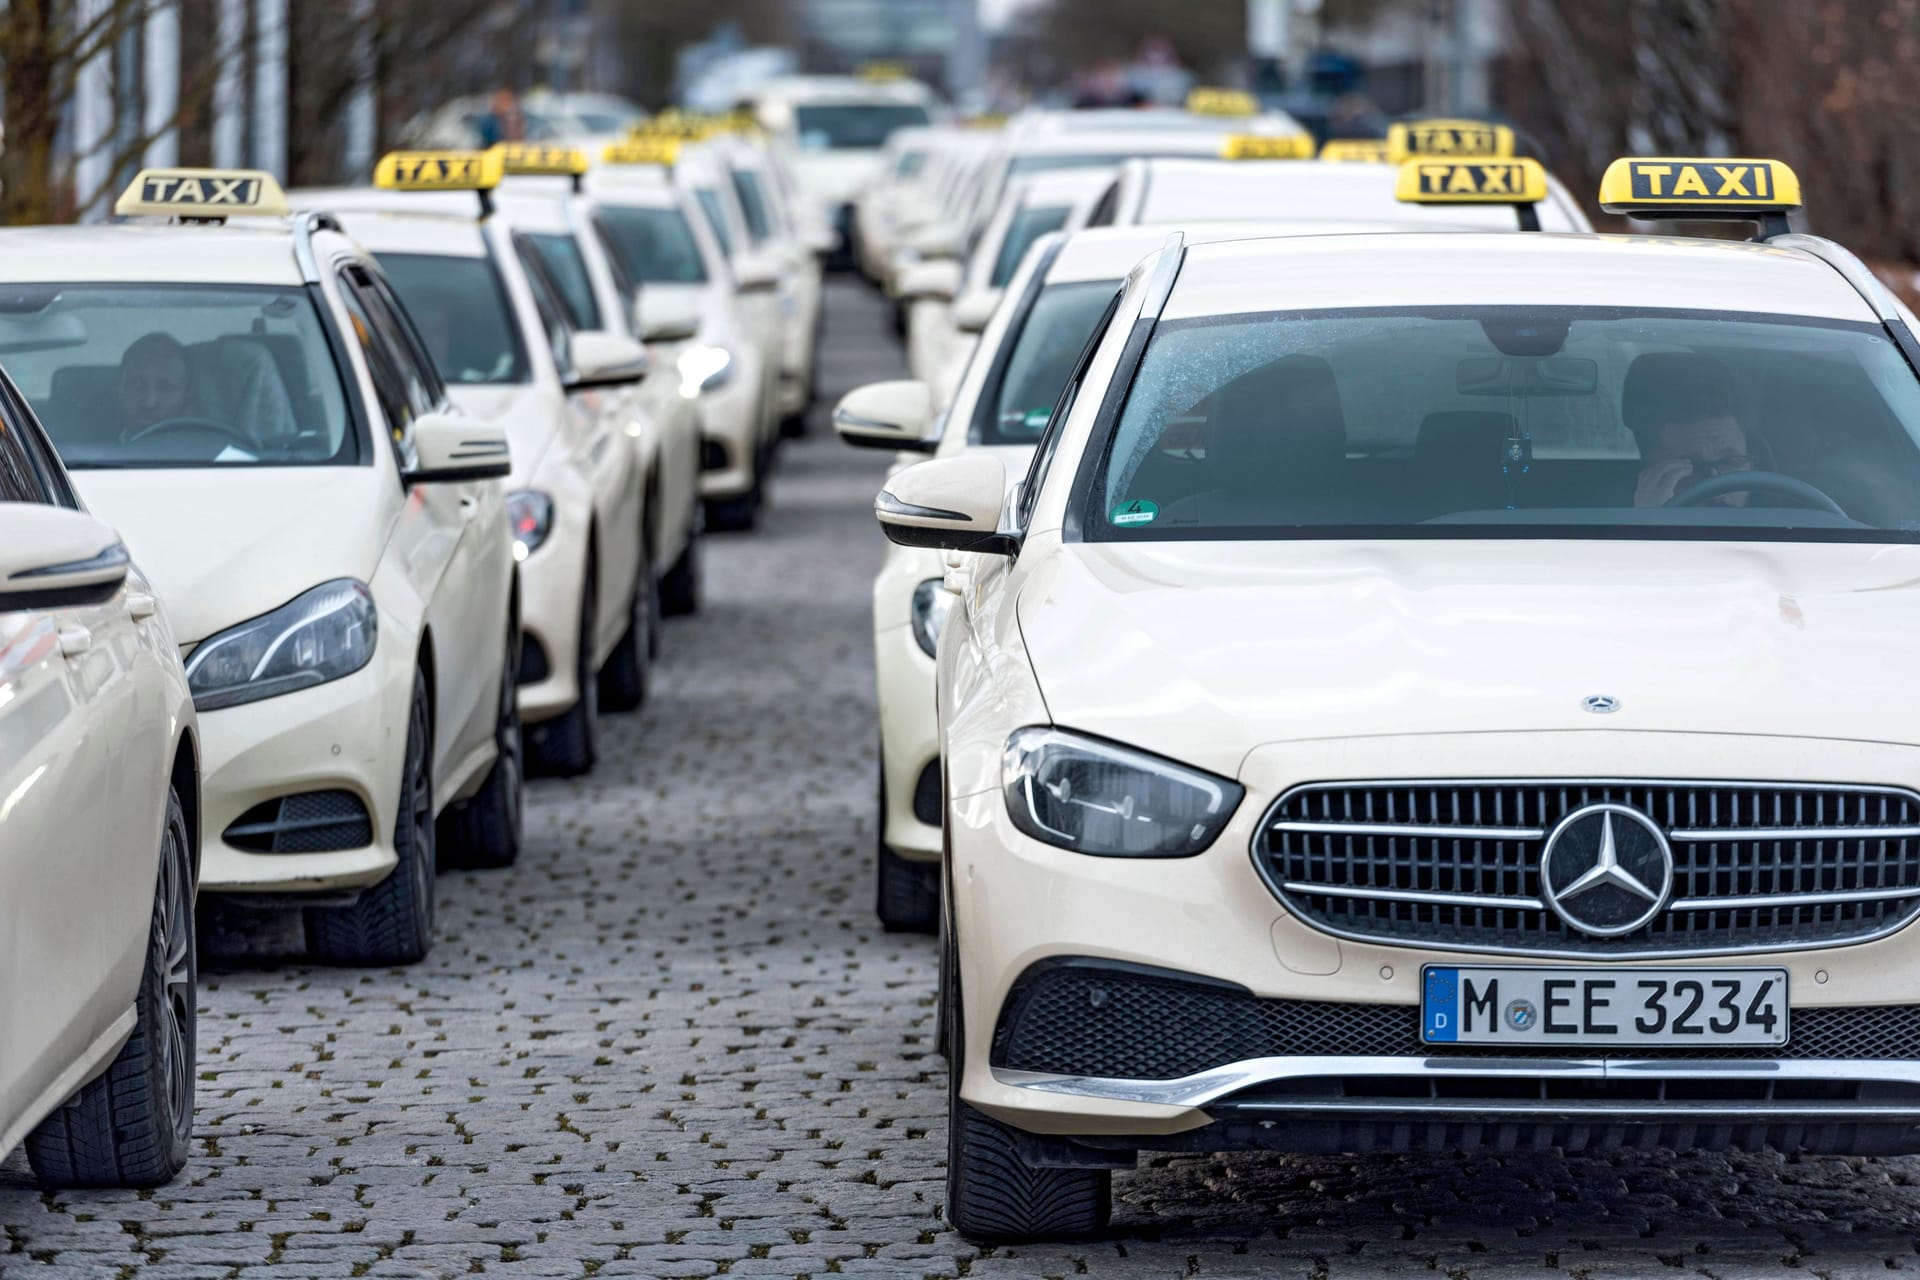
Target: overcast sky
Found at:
x=994, y=12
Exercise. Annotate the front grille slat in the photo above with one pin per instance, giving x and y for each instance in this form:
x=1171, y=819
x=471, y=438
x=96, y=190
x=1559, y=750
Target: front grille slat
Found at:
x=1456, y=863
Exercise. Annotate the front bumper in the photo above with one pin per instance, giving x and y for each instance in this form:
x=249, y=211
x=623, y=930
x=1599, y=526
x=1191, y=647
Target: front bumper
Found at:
x=732, y=419
x=349, y=735
x=1318, y=1082
x=552, y=578
x=909, y=744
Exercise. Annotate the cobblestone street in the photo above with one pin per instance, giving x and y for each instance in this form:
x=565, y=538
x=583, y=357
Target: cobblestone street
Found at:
x=673, y=1041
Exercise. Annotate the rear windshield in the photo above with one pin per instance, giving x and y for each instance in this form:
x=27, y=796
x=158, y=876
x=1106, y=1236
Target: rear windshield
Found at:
x=1023, y=385
x=862, y=125
x=176, y=375
x=657, y=243
x=461, y=309
x=1494, y=421
x=1027, y=226
x=562, y=255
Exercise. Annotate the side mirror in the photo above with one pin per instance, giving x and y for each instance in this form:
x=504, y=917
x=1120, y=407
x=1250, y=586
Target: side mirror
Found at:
x=602, y=359
x=937, y=241
x=51, y=557
x=669, y=317
x=820, y=238
x=455, y=447
x=935, y=281
x=975, y=308
x=887, y=415
x=950, y=503
x=757, y=272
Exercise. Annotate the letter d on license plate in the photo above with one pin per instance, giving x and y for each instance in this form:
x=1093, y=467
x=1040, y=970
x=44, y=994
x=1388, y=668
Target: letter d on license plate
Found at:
x=1483, y=1004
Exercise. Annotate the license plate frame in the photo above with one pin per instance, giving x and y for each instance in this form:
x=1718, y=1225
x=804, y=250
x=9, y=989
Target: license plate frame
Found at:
x=1590, y=1007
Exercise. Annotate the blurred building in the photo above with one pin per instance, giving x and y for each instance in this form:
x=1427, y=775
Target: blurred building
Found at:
x=939, y=41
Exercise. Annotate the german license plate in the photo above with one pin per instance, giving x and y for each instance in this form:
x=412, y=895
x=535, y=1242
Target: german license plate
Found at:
x=1489, y=1005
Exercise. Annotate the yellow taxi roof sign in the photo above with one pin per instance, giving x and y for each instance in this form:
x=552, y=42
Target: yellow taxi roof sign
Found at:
x=674, y=123
x=202, y=195
x=658, y=149
x=439, y=171
x=1355, y=150
x=1694, y=187
x=883, y=72
x=542, y=159
x=1211, y=101
x=1510, y=181
x=1454, y=139
x=1256, y=146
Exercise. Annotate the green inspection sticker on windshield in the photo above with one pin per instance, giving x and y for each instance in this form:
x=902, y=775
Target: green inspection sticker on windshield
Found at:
x=1139, y=511
x=1037, y=419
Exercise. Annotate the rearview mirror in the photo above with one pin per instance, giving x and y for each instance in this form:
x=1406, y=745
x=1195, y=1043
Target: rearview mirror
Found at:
x=453, y=447
x=52, y=557
x=669, y=317
x=950, y=503
x=887, y=415
x=935, y=281
x=975, y=309
x=602, y=359
x=757, y=273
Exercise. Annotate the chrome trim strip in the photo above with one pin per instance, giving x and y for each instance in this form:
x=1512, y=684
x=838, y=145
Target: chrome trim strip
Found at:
x=1417, y=895
x=887, y=504
x=1734, y=835
x=1410, y=829
x=1204, y=1087
x=1160, y=284
x=1890, y=893
x=860, y=422
x=109, y=560
x=1590, y=1109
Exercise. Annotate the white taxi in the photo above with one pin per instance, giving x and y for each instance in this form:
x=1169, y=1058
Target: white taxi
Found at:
x=499, y=335
x=1439, y=690
x=691, y=315
x=256, y=413
x=99, y=791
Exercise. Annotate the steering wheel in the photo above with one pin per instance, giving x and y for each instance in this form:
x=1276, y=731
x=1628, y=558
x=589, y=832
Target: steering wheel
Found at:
x=193, y=422
x=1763, y=481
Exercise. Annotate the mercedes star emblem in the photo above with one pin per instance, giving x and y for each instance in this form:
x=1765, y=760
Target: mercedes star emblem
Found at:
x=1607, y=869
x=1600, y=704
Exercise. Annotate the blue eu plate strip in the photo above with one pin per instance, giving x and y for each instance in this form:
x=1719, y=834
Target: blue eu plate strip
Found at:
x=1440, y=1012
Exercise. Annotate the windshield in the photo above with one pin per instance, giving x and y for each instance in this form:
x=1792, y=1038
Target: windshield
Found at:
x=1021, y=165
x=716, y=218
x=847, y=125
x=1027, y=226
x=461, y=309
x=176, y=375
x=561, y=253
x=1023, y=384
x=1496, y=421
x=657, y=243
x=751, y=204
x=909, y=165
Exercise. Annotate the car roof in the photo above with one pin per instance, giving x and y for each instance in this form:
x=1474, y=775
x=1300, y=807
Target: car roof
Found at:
x=804, y=90
x=1108, y=253
x=1061, y=186
x=402, y=230
x=1317, y=189
x=1121, y=144
x=650, y=186
x=1154, y=120
x=260, y=252
x=1419, y=269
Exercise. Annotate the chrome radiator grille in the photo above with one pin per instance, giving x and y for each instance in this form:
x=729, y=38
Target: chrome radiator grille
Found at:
x=1456, y=864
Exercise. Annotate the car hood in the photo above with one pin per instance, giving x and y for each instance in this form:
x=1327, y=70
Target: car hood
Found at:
x=224, y=546
x=1203, y=651
x=527, y=412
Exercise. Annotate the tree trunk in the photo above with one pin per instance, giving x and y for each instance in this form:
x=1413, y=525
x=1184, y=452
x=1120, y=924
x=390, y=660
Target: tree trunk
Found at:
x=31, y=109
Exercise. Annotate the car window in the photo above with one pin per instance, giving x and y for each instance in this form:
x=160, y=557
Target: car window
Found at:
x=747, y=187
x=568, y=269
x=461, y=308
x=716, y=218
x=1502, y=421
x=32, y=439
x=408, y=354
x=19, y=479
x=1027, y=225
x=1016, y=402
x=383, y=369
x=864, y=125
x=625, y=283
x=1049, y=445
x=657, y=244
x=158, y=375
x=546, y=301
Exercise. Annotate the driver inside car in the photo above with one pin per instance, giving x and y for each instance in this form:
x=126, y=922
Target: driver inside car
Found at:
x=156, y=384
x=1681, y=410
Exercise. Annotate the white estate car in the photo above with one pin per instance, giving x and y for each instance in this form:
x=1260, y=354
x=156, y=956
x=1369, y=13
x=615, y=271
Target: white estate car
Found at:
x=99, y=774
x=691, y=315
x=835, y=128
x=1439, y=690
x=255, y=412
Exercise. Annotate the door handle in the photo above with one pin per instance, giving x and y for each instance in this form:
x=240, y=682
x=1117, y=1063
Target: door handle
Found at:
x=141, y=606
x=75, y=640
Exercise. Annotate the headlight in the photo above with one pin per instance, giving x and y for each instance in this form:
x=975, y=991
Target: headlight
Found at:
x=703, y=368
x=327, y=633
x=530, y=512
x=1094, y=797
x=931, y=604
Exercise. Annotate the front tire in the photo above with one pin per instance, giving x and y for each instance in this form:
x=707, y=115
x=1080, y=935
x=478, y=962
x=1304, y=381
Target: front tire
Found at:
x=734, y=515
x=568, y=744
x=392, y=923
x=623, y=680
x=487, y=829
x=132, y=1125
x=906, y=893
x=680, y=590
x=993, y=1195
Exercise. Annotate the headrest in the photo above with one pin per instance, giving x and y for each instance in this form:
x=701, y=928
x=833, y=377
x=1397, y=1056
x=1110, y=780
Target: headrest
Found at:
x=1279, y=426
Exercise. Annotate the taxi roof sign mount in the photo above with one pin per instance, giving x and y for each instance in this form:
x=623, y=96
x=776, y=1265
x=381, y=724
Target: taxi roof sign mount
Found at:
x=1716, y=189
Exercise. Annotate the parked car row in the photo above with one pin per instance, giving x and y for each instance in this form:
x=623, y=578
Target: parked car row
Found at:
x=325, y=519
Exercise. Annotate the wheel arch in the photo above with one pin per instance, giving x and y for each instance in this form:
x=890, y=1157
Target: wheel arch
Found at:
x=184, y=778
